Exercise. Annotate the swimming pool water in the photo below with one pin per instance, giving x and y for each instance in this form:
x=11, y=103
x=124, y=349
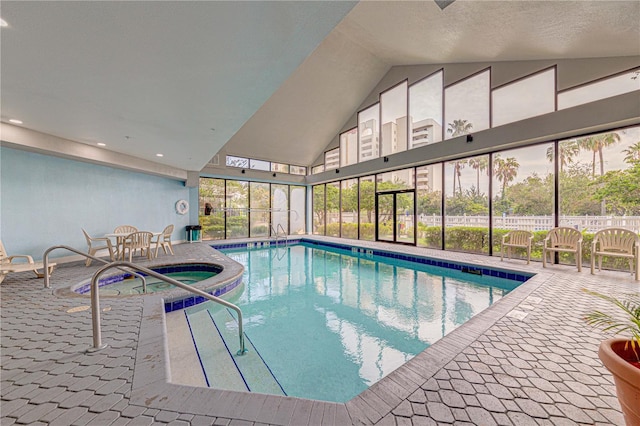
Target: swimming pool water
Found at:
x=133, y=285
x=329, y=323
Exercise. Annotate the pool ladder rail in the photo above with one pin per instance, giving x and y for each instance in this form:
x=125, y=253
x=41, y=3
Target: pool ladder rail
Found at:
x=276, y=234
x=95, y=295
x=97, y=259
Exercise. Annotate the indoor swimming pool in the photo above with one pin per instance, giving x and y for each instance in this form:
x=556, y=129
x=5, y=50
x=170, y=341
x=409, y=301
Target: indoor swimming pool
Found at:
x=329, y=322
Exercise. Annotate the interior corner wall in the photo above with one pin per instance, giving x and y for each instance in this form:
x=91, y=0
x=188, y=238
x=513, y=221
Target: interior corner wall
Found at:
x=46, y=200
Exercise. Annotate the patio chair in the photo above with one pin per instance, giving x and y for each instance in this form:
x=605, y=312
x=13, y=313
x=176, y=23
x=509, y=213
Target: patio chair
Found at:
x=563, y=240
x=616, y=242
x=140, y=240
x=7, y=264
x=516, y=239
x=164, y=240
x=125, y=230
x=94, y=246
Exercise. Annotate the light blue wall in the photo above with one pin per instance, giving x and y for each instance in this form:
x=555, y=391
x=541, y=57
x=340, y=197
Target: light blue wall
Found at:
x=45, y=201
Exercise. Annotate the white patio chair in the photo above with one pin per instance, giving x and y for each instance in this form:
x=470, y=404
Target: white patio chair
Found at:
x=7, y=264
x=140, y=240
x=616, y=242
x=164, y=240
x=94, y=246
x=516, y=239
x=563, y=240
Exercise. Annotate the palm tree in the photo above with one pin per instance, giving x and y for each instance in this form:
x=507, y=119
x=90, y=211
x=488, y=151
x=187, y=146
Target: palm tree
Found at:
x=457, y=172
x=633, y=153
x=505, y=170
x=479, y=164
x=596, y=145
x=567, y=150
x=459, y=127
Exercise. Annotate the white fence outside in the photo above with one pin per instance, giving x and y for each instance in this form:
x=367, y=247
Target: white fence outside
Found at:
x=590, y=224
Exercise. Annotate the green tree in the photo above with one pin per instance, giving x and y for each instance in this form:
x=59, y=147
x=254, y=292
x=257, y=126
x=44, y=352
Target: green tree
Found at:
x=429, y=203
x=576, y=193
x=621, y=189
x=458, y=165
x=531, y=197
x=596, y=145
x=633, y=153
x=479, y=164
x=367, y=199
x=459, y=127
x=505, y=170
x=567, y=150
x=468, y=203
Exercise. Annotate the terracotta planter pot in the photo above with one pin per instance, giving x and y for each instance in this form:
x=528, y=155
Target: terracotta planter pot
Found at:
x=626, y=377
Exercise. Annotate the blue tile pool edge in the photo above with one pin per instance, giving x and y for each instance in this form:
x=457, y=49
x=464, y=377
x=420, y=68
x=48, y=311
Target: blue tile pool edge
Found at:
x=361, y=251
x=85, y=288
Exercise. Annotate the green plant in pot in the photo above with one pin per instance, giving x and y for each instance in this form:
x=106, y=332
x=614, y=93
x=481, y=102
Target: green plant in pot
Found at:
x=622, y=356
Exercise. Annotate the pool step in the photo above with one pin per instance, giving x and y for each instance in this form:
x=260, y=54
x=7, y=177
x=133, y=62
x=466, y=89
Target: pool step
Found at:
x=218, y=366
x=215, y=332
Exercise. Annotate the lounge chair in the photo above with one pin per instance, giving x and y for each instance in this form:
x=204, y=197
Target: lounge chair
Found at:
x=563, y=240
x=516, y=239
x=616, y=242
x=7, y=264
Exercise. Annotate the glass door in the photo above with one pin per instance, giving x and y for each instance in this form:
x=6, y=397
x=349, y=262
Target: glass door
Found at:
x=396, y=216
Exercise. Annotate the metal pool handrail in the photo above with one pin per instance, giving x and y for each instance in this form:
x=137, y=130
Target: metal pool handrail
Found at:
x=50, y=249
x=284, y=234
x=95, y=300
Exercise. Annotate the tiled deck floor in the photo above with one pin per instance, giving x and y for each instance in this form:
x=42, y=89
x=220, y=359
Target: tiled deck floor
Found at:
x=529, y=359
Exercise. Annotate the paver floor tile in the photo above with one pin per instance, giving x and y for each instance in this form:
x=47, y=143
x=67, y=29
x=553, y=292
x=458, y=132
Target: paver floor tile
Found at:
x=542, y=369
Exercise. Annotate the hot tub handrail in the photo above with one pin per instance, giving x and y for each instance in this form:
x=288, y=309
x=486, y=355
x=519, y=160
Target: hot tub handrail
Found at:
x=95, y=300
x=50, y=249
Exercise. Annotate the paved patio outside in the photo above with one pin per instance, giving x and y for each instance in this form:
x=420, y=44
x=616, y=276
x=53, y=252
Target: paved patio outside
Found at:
x=528, y=360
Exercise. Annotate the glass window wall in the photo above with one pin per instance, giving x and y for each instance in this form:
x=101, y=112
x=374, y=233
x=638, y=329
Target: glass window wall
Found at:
x=349, y=209
x=280, y=208
x=332, y=159
x=429, y=205
x=393, y=115
x=237, y=220
x=601, y=89
x=298, y=202
x=529, y=97
x=319, y=210
x=260, y=217
x=349, y=147
x=368, y=133
x=523, y=195
x=211, y=214
x=367, y=208
x=466, y=205
x=466, y=105
x=333, y=209
x=425, y=111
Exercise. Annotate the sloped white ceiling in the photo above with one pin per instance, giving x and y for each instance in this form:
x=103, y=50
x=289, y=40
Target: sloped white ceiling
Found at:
x=276, y=80
x=149, y=77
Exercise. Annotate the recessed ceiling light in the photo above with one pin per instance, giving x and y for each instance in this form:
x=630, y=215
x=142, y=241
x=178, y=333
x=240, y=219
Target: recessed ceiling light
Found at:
x=14, y=121
x=159, y=155
x=102, y=144
x=3, y=23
